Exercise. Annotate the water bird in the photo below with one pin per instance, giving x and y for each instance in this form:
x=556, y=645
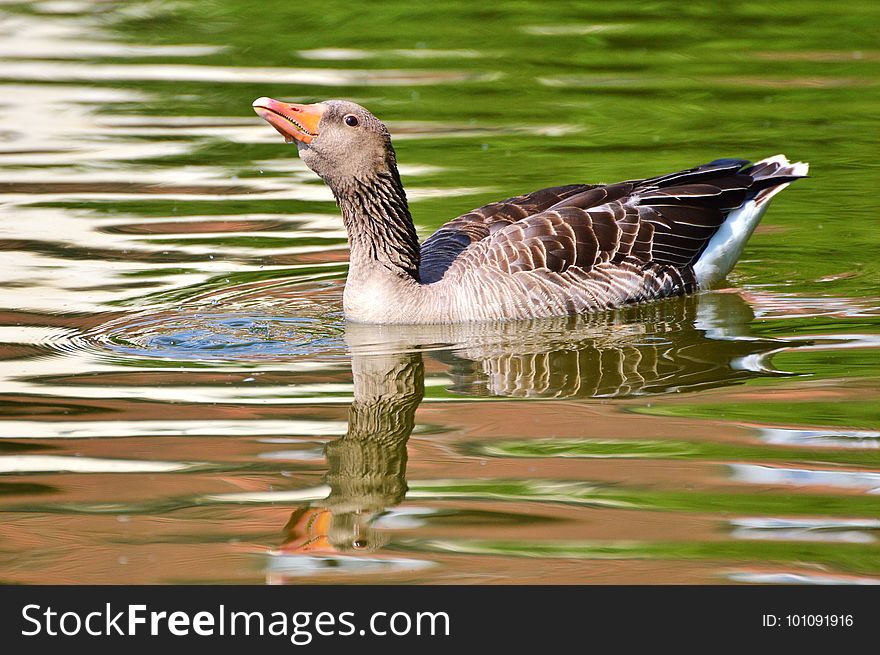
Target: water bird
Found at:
x=557, y=251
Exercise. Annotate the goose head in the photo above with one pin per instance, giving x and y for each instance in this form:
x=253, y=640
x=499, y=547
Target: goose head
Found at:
x=339, y=140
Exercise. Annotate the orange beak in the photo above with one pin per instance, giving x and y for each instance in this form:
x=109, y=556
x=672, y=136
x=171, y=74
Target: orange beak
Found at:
x=292, y=121
x=307, y=531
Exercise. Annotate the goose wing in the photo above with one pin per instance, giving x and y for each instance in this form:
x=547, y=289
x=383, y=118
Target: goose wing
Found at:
x=666, y=220
x=446, y=244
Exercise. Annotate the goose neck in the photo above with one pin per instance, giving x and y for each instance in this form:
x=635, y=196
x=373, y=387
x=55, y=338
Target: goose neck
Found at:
x=379, y=225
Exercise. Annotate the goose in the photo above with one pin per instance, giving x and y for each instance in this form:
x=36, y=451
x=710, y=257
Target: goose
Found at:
x=558, y=251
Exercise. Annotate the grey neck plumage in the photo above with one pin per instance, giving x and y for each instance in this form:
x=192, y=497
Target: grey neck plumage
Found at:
x=380, y=227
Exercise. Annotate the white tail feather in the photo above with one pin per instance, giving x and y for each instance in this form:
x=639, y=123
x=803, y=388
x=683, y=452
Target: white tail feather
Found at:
x=726, y=246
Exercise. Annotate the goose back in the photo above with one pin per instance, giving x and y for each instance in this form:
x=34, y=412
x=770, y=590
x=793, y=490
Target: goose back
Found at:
x=582, y=248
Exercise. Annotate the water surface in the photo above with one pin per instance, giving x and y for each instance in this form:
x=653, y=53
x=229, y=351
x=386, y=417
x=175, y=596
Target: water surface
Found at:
x=181, y=399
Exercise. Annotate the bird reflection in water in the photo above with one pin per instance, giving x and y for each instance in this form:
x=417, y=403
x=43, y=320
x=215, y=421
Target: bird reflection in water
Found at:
x=684, y=344
x=367, y=467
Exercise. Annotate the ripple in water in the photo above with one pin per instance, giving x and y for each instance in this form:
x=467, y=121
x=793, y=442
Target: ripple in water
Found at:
x=219, y=336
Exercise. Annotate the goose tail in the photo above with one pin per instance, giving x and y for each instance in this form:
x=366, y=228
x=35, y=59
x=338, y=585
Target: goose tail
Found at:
x=770, y=176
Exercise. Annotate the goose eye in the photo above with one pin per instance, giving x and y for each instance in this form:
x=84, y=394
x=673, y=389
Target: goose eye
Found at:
x=351, y=120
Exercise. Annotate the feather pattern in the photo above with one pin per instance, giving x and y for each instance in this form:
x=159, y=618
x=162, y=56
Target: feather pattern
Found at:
x=442, y=247
x=582, y=248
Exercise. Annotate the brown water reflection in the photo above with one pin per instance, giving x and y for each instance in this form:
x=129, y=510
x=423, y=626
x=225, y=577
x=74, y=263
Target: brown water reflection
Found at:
x=640, y=350
x=174, y=445
x=358, y=518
